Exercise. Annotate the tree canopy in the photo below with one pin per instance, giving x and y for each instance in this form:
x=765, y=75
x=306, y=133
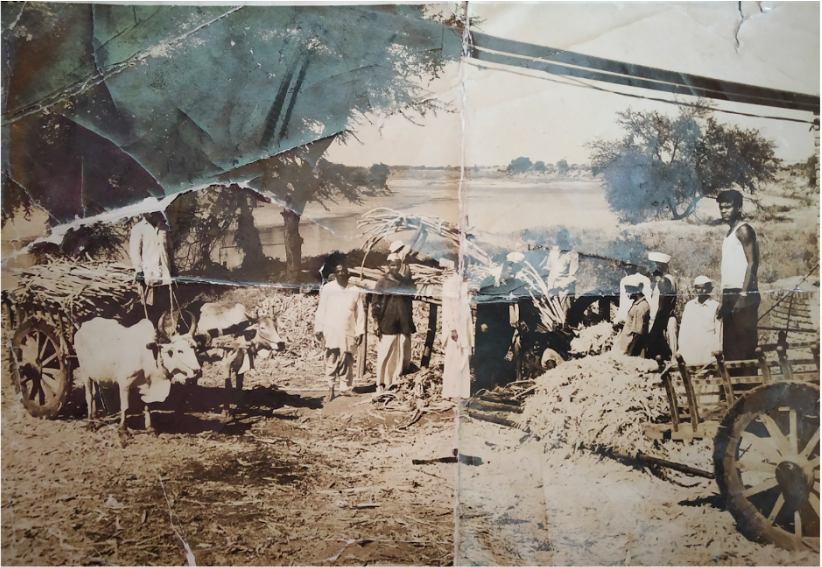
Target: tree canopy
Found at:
x=665, y=165
x=105, y=105
x=519, y=165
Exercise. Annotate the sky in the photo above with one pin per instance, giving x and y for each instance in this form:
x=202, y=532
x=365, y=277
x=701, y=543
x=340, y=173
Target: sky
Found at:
x=510, y=112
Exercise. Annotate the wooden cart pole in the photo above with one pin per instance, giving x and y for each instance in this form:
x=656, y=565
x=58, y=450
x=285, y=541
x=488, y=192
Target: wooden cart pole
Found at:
x=429, y=337
x=362, y=351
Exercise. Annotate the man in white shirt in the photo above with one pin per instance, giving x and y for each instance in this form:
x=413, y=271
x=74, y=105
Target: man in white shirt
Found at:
x=340, y=323
x=700, y=333
x=148, y=249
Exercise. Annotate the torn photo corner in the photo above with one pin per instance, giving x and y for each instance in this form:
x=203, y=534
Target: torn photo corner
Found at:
x=456, y=284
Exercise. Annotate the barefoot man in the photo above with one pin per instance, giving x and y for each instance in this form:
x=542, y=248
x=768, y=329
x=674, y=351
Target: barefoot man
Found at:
x=340, y=322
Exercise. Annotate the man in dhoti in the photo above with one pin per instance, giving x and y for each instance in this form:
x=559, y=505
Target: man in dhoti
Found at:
x=148, y=249
x=740, y=291
x=663, y=330
x=392, y=308
x=457, y=334
x=340, y=323
x=700, y=333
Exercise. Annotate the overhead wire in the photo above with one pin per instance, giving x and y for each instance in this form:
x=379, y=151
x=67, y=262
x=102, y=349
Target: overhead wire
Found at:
x=582, y=83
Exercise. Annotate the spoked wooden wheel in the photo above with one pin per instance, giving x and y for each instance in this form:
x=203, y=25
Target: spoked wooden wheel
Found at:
x=766, y=455
x=40, y=371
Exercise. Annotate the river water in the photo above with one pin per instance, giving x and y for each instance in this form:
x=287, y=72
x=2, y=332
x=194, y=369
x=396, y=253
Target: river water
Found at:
x=493, y=206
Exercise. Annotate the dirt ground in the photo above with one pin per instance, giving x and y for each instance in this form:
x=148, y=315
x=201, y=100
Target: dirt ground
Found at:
x=291, y=480
x=526, y=506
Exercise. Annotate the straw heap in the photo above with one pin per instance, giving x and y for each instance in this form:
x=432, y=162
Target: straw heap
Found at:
x=80, y=290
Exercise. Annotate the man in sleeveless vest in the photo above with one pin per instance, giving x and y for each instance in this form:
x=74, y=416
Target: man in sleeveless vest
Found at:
x=740, y=291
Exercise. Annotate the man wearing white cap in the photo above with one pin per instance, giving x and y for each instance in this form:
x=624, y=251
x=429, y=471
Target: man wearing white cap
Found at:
x=407, y=252
x=662, y=336
x=700, y=334
x=340, y=324
x=632, y=339
x=457, y=334
x=393, y=313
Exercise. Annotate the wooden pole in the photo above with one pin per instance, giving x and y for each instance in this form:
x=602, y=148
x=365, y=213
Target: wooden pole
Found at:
x=363, y=348
x=429, y=338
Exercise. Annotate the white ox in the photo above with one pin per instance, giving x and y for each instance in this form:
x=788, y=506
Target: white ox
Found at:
x=130, y=357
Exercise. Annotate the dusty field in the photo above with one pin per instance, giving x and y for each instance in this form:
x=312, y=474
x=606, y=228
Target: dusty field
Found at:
x=290, y=481
x=294, y=480
x=526, y=507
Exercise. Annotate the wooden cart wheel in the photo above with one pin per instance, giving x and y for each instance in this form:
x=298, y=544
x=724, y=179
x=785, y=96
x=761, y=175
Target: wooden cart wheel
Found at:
x=41, y=375
x=766, y=455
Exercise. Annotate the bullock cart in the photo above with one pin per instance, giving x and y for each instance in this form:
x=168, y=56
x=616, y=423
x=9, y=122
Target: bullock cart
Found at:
x=763, y=417
x=45, y=310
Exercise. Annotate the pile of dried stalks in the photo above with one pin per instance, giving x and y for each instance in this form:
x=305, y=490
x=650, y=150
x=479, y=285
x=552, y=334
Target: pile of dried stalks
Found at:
x=420, y=392
x=379, y=224
x=597, y=402
x=603, y=403
x=594, y=340
x=80, y=289
x=295, y=320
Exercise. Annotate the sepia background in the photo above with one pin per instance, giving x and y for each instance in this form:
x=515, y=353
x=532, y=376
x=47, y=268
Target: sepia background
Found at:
x=279, y=141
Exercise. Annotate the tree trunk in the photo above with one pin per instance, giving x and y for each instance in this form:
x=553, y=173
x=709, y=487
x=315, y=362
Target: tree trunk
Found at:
x=293, y=245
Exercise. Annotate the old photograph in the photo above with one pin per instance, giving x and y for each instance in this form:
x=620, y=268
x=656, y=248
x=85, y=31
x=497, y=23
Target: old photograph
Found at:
x=466, y=283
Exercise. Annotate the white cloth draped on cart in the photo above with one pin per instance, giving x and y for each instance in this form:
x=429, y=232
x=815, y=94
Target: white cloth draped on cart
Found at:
x=456, y=316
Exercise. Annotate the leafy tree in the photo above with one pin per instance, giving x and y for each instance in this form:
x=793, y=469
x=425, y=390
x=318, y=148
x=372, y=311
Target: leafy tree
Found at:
x=300, y=176
x=562, y=166
x=265, y=81
x=539, y=166
x=519, y=165
x=665, y=165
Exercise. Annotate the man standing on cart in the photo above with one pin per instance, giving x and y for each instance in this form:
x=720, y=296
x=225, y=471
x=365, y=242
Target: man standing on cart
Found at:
x=149, y=252
x=740, y=291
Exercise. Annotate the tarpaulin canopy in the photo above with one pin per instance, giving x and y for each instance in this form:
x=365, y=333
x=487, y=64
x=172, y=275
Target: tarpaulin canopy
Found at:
x=105, y=105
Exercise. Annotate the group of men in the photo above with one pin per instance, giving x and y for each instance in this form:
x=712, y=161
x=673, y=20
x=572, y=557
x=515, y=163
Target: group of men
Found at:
x=339, y=324
x=505, y=309
x=729, y=325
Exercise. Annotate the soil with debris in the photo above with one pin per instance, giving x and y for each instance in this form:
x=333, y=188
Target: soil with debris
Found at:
x=295, y=480
x=529, y=504
x=291, y=479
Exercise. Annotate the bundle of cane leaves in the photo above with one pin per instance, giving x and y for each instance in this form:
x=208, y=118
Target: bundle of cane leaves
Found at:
x=80, y=289
x=550, y=311
x=598, y=402
x=419, y=392
x=593, y=340
x=381, y=224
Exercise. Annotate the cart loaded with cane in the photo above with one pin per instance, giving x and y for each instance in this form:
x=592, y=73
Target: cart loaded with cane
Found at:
x=42, y=314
